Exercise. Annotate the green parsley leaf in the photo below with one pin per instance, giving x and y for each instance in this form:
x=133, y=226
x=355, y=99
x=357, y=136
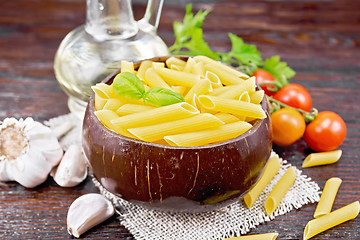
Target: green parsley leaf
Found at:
x=245, y=53
x=128, y=85
x=278, y=69
x=159, y=97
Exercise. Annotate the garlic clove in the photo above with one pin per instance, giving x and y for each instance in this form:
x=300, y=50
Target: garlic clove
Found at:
x=88, y=211
x=72, y=169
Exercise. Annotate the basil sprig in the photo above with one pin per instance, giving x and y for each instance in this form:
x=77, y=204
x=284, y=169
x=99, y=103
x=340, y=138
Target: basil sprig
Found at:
x=128, y=85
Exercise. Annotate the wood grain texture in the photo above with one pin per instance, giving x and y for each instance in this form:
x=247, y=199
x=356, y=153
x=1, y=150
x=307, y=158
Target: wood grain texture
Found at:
x=320, y=40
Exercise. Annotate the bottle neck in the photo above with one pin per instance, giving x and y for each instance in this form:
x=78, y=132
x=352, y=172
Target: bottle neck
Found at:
x=110, y=19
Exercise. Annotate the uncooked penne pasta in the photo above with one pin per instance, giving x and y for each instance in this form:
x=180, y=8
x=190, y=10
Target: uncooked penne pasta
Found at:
x=127, y=66
x=175, y=61
x=189, y=64
x=321, y=158
x=262, y=236
x=236, y=90
x=236, y=107
x=279, y=191
x=208, y=136
x=214, y=79
x=218, y=91
x=144, y=65
x=158, y=131
x=173, y=77
x=330, y=220
x=226, y=68
x=130, y=108
x=226, y=117
x=99, y=102
x=244, y=97
x=226, y=77
x=104, y=91
x=198, y=69
x=154, y=80
x=271, y=169
x=327, y=197
x=200, y=87
x=180, y=89
x=112, y=104
x=257, y=96
x=105, y=117
x=156, y=115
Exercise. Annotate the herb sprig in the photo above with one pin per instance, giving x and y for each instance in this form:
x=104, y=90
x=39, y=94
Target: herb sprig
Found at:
x=189, y=40
x=128, y=85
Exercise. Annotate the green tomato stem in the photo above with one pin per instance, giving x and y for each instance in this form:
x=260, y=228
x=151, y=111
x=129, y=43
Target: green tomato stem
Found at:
x=308, y=116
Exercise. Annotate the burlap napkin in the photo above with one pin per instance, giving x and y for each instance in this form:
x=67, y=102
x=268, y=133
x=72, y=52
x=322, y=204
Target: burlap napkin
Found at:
x=233, y=220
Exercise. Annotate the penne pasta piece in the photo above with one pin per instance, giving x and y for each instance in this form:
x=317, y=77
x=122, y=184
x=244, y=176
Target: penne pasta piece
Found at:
x=226, y=77
x=270, y=170
x=104, y=91
x=158, y=131
x=244, y=97
x=262, y=236
x=127, y=66
x=327, y=197
x=175, y=61
x=318, y=225
x=279, y=191
x=238, y=108
x=176, y=67
x=189, y=64
x=214, y=79
x=321, y=158
x=226, y=117
x=158, y=64
x=257, y=96
x=200, y=87
x=198, y=69
x=219, y=90
x=236, y=90
x=229, y=69
x=105, y=117
x=173, y=77
x=130, y=108
x=144, y=65
x=157, y=115
x=180, y=89
x=208, y=136
x=99, y=102
x=112, y=104
x=154, y=80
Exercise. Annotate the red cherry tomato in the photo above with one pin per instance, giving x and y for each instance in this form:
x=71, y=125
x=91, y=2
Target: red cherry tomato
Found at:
x=288, y=126
x=326, y=132
x=263, y=76
x=295, y=96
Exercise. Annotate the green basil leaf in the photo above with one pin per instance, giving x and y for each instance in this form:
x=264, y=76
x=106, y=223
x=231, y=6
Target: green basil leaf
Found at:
x=159, y=97
x=128, y=85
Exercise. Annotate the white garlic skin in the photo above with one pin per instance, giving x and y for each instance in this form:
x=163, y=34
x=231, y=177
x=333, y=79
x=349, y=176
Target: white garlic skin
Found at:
x=88, y=211
x=43, y=152
x=72, y=169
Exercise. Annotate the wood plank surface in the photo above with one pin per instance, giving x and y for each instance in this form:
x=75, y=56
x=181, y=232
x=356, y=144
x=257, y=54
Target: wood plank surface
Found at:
x=320, y=40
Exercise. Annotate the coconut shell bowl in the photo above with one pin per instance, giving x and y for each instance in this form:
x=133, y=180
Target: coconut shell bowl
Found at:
x=190, y=179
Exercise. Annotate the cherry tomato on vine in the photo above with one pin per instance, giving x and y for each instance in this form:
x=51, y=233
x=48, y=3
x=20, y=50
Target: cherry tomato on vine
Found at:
x=326, y=132
x=263, y=76
x=288, y=126
x=295, y=96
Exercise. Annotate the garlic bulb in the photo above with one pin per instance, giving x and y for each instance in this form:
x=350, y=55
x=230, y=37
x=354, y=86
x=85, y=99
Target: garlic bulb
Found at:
x=88, y=211
x=72, y=169
x=28, y=151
